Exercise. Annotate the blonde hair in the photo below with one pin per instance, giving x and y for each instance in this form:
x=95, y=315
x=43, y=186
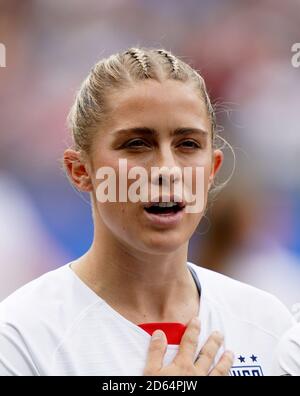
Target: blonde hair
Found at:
x=122, y=70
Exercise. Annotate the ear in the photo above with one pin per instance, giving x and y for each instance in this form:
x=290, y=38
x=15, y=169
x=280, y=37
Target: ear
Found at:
x=77, y=170
x=217, y=161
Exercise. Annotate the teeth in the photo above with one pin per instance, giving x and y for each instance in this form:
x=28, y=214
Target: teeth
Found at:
x=166, y=204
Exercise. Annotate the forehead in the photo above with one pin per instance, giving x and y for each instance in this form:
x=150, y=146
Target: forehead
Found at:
x=169, y=104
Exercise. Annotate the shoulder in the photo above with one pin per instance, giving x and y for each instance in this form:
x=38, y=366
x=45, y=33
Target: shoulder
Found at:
x=244, y=302
x=34, y=294
x=36, y=317
x=26, y=316
x=55, y=296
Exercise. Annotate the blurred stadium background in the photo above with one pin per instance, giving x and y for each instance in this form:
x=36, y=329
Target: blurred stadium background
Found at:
x=242, y=48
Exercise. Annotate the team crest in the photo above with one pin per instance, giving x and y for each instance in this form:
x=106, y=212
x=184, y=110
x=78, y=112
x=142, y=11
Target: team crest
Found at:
x=248, y=367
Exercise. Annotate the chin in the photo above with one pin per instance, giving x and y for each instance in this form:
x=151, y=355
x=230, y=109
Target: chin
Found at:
x=164, y=242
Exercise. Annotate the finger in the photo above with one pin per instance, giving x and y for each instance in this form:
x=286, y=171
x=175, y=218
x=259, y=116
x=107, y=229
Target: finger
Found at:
x=189, y=342
x=156, y=352
x=224, y=365
x=208, y=352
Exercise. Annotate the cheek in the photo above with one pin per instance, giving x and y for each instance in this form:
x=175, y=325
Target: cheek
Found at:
x=115, y=216
x=104, y=158
x=205, y=165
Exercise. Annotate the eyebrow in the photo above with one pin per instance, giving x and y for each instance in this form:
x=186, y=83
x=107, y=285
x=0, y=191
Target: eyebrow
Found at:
x=152, y=132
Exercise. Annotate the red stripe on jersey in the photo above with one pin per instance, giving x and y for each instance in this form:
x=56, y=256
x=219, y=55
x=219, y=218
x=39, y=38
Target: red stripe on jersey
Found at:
x=173, y=331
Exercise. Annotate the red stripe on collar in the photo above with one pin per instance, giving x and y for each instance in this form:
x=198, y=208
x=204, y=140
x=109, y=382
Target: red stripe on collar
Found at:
x=173, y=331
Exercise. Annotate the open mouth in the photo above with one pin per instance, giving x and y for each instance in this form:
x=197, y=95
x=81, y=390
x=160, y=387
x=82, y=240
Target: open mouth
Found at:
x=164, y=208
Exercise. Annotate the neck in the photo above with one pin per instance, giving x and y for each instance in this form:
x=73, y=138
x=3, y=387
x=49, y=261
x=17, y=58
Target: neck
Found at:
x=141, y=286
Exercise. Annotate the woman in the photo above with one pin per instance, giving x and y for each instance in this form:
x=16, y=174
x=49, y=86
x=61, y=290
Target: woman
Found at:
x=138, y=111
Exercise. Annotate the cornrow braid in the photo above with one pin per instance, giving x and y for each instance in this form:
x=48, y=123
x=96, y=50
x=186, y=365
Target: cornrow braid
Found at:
x=171, y=58
x=208, y=103
x=91, y=106
x=141, y=58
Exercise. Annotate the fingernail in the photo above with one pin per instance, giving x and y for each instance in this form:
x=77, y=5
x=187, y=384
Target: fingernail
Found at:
x=158, y=335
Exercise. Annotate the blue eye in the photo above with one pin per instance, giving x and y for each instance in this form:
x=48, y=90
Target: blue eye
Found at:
x=136, y=143
x=190, y=144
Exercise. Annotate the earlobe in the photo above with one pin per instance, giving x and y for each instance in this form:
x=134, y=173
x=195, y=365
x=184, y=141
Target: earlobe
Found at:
x=77, y=170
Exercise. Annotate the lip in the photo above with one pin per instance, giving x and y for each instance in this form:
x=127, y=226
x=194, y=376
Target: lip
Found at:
x=165, y=219
x=171, y=198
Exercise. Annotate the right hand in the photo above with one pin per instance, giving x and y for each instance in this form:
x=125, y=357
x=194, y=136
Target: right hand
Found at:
x=184, y=364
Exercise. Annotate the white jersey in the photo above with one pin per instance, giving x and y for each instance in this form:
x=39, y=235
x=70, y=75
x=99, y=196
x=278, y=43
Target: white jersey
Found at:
x=287, y=357
x=56, y=325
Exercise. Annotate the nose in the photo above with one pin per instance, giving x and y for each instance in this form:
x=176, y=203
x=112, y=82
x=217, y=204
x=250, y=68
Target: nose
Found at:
x=168, y=170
